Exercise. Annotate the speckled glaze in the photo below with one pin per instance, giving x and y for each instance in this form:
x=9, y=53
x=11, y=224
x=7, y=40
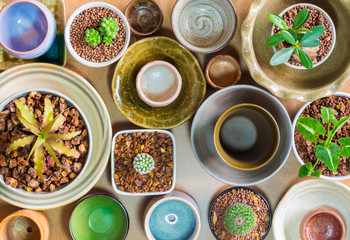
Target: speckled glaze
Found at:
x=204, y=26
x=144, y=16
x=28, y=28
x=124, y=87
x=286, y=82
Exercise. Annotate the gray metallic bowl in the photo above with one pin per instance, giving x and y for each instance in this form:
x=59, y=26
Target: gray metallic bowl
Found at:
x=203, y=129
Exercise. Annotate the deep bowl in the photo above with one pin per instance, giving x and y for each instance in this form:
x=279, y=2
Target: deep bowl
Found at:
x=204, y=26
x=99, y=216
x=28, y=28
x=286, y=82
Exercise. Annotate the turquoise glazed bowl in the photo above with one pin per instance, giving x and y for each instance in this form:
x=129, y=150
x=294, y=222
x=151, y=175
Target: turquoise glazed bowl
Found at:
x=99, y=217
x=28, y=29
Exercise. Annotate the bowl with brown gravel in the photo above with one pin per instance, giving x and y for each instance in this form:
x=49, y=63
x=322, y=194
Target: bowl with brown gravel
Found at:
x=304, y=150
x=44, y=142
x=240, y=213
x=143, y=162
x=97, y=34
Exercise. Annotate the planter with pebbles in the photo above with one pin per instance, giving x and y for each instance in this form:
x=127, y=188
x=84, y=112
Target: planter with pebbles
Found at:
x=143, y=162
x=44, y=141
x=97, y=34
x=240, y=213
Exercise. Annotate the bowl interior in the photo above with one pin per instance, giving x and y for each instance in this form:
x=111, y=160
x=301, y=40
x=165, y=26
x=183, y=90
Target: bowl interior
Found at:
x=246, y=136
x=99, y=217
x=289, y=82
x=24, y=26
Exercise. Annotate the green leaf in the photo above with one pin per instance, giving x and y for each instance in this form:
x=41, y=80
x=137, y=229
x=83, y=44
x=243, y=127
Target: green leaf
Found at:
x=316, y=173
x=20, y=142
x=305, y=170
x=274, y=40
x=288, y=37
x=345, y=150
x=329, y=156
x=281, y=56
x=39, y=141
x=26, y=113
x=38, y=159
x=278, y=21
x=58, y=123
x=63, y=149
x=300, y=36
x=301, y=18
x=327, y=114
x=309, y=128
x=48, y=112
x=291, y=31
x=314, y=35
x=67, y=136
x=311, y=44
x=50, y=150
x=31, y=128
x=304, y=58
x=337, y=126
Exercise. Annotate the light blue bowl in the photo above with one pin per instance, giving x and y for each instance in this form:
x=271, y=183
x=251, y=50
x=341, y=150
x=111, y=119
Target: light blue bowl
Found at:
x=27, y=28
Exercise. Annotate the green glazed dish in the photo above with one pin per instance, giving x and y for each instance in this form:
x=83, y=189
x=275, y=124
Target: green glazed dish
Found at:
x=99, y=217
x=124, y=86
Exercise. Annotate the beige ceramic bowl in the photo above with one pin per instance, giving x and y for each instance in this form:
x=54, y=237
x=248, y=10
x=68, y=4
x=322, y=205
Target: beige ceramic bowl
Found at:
x=25, y=225
x=204, y=26
x=286, y=82
x=222, y=71
x=246, y=136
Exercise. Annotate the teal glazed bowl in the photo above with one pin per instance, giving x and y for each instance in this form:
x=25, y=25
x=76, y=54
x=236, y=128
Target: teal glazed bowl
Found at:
x=99, y=216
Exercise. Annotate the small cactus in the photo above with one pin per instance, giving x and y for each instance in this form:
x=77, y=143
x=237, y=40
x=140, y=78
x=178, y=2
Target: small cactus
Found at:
x=143, y=163
x=239, y=219
x=109, y=27
x=92, y=37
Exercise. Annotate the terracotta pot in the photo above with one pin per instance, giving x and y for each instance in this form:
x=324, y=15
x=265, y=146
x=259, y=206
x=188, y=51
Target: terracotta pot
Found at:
x=322, y=224
x=25, y=225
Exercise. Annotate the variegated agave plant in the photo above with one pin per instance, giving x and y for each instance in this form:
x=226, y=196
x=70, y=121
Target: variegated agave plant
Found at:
x=44, y=135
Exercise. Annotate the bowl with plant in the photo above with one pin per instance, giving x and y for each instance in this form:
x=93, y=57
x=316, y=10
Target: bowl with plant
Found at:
x=97, y=34
x=240, y=213
x=322, y=137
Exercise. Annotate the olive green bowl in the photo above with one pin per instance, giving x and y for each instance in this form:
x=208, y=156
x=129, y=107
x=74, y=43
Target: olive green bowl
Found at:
x=124, y=83
x=286, y=82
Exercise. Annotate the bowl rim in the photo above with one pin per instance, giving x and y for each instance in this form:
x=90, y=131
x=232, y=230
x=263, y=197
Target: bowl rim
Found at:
x=112, y=162
x=69, y=101
x=100, y=195
x=237, y=188
x=297, y=115
x=69, y=24
x=50, y=31
x=333, y=32
x=216, y=136
x=192, y=47
x=127, y=10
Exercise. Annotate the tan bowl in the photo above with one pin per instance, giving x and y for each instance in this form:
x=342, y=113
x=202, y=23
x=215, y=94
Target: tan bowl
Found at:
x=246, y=136
x=222, y=71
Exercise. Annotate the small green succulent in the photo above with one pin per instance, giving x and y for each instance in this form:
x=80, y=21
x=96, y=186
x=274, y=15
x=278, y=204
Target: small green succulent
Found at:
x=108, y=29
x=44, y=135
x=143, y=163
x=92, y=37
x=239, y=219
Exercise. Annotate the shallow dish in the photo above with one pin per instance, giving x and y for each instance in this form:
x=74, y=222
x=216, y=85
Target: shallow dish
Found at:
x=307, y=196
x=203, y=127
x=124, y=89
x=41, y=75
x=99, y=216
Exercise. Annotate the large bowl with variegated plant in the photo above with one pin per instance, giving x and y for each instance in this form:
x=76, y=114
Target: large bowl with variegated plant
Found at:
x=44, y=141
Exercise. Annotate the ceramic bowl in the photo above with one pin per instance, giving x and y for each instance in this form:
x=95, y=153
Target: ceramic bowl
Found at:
x=113, y=169
x=327, y=17
x=246, y=136
x=286, y=82
x=305, y=197
x=76, y=88
x=322, y=224
x=144, y=16
x=204, y=26
x=28, y=28
x=296, y=154
x=203, y=128
x=222, y=71
x=171, y=217
x=99, y=216
x=212, y=214
x=158, y=83
x=25, y=224
x=68, y=28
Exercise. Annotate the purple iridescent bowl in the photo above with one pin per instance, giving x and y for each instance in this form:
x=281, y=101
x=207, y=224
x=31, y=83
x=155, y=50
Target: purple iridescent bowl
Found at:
x=27, y=28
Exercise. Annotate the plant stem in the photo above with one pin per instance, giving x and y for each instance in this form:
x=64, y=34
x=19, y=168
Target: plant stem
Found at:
x=315, y=164
x=301, y=30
